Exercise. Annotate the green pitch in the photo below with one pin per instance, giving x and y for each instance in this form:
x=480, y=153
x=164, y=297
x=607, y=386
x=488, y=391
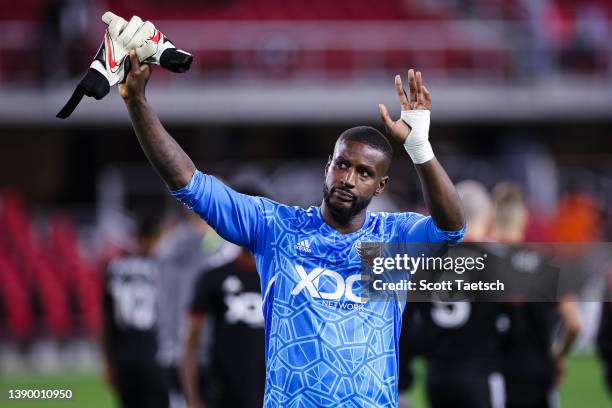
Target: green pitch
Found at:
x=88, y=391
x=583, y=387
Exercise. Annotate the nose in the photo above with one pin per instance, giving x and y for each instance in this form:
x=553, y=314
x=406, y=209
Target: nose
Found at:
x=348, y=179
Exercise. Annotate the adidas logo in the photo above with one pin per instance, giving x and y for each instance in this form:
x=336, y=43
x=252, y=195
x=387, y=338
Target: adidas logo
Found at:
x=304, y=246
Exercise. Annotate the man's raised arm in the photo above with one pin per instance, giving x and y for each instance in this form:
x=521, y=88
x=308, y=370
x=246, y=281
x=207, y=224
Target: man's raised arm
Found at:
x=412, y=130
x=235, y=217
x=163, y=152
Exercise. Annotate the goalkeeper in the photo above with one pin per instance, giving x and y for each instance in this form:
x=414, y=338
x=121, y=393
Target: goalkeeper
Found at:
x=326, y=343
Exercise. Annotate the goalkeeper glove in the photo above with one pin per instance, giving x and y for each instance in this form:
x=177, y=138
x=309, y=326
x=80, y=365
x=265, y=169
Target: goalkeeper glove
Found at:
x=151, y=45
x=110, y=65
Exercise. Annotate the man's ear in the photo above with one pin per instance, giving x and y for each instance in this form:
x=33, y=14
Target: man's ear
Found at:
x=329, y=159
x=381, y=185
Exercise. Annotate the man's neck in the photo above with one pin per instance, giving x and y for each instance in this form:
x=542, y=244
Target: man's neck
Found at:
x=353, y=225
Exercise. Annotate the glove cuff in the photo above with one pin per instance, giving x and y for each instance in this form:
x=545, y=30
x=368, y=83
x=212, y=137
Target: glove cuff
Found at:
x=176, y=60
x=95, y=84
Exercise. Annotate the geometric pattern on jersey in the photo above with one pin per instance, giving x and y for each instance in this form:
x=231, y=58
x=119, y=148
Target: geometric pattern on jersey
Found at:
x=324, y=346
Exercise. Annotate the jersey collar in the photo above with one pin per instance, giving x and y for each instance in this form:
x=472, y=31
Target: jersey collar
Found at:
x=329, y=230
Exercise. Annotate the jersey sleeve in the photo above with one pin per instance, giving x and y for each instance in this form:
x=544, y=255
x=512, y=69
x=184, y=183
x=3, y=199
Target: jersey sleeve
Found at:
x=236, y=217
x=415, y=227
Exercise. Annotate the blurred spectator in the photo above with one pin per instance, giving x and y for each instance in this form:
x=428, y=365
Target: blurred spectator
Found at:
x=577, y=219
x=63, y=38
x=586, y=52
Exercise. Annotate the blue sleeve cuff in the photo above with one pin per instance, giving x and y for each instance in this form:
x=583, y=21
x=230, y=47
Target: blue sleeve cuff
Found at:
x=188, y=194
x=451, y=237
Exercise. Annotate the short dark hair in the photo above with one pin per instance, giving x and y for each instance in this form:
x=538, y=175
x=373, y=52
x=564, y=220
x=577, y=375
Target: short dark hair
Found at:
x=370, y=136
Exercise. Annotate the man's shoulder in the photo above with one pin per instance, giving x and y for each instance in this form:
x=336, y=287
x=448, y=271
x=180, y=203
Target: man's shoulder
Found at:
x=281, y=212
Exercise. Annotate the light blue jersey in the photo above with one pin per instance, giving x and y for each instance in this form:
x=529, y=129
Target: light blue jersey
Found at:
x=326, y=345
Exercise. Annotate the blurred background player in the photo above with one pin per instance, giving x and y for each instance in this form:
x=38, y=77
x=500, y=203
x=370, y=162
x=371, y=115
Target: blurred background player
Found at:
x=412, y=344
x=534, y=366
x=188, y=250
x=604, y=336
x=463, y=343
x=128, y=333
x=226, y=306
x=228, y=302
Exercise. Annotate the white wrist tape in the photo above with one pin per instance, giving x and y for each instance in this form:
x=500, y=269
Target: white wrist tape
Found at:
x=417, y=143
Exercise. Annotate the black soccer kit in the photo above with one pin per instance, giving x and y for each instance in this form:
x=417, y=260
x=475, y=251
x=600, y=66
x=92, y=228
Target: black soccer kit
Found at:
x=463, y=354
x=604, y=339
x=412, y=344
x=528, y=365
x=129, y=319
x=464, y=341
x=231, y=297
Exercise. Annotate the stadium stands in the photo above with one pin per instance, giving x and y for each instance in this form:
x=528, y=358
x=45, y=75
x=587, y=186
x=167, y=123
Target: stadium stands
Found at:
x=47, y=288
x=271, y=37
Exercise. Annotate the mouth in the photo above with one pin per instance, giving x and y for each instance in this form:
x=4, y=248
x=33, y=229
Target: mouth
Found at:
x=343, y=195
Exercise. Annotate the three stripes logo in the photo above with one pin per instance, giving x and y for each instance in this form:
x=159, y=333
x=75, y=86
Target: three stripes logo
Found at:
x=304, y=246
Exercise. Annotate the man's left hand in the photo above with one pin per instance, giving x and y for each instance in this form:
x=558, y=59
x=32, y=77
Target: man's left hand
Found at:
x=419, y=98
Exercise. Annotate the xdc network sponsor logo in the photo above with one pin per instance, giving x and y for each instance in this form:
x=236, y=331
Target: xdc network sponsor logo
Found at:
x=310, y=281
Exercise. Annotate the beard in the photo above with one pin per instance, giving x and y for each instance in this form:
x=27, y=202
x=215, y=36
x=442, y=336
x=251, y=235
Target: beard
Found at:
x=343, y=215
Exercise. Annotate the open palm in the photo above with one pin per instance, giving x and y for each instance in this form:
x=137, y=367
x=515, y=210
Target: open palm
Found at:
x=419, y=98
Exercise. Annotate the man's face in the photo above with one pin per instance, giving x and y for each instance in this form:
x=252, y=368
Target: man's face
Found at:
x=353, y=175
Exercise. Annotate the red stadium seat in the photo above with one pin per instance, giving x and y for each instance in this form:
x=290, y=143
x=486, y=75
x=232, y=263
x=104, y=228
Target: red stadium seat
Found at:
x=15, y=302
x=53, y=275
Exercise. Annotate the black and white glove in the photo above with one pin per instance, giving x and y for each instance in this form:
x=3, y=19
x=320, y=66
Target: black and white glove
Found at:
x=111, y=65
x=151, y=45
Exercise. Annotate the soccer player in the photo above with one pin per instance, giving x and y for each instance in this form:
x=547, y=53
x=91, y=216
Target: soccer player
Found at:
x=464, y=341
x=188, y=250
x=532, y=367
x=128, y=335
x=229, y=300
x=604, y=338
x=412, y=345
x=326, y=345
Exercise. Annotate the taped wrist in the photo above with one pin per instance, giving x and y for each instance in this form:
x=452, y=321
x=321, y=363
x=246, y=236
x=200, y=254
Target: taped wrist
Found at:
x=417, y=143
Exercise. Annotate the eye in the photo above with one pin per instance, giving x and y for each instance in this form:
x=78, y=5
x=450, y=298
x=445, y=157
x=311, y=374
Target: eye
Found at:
x=342, y=165
x=364, y=173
